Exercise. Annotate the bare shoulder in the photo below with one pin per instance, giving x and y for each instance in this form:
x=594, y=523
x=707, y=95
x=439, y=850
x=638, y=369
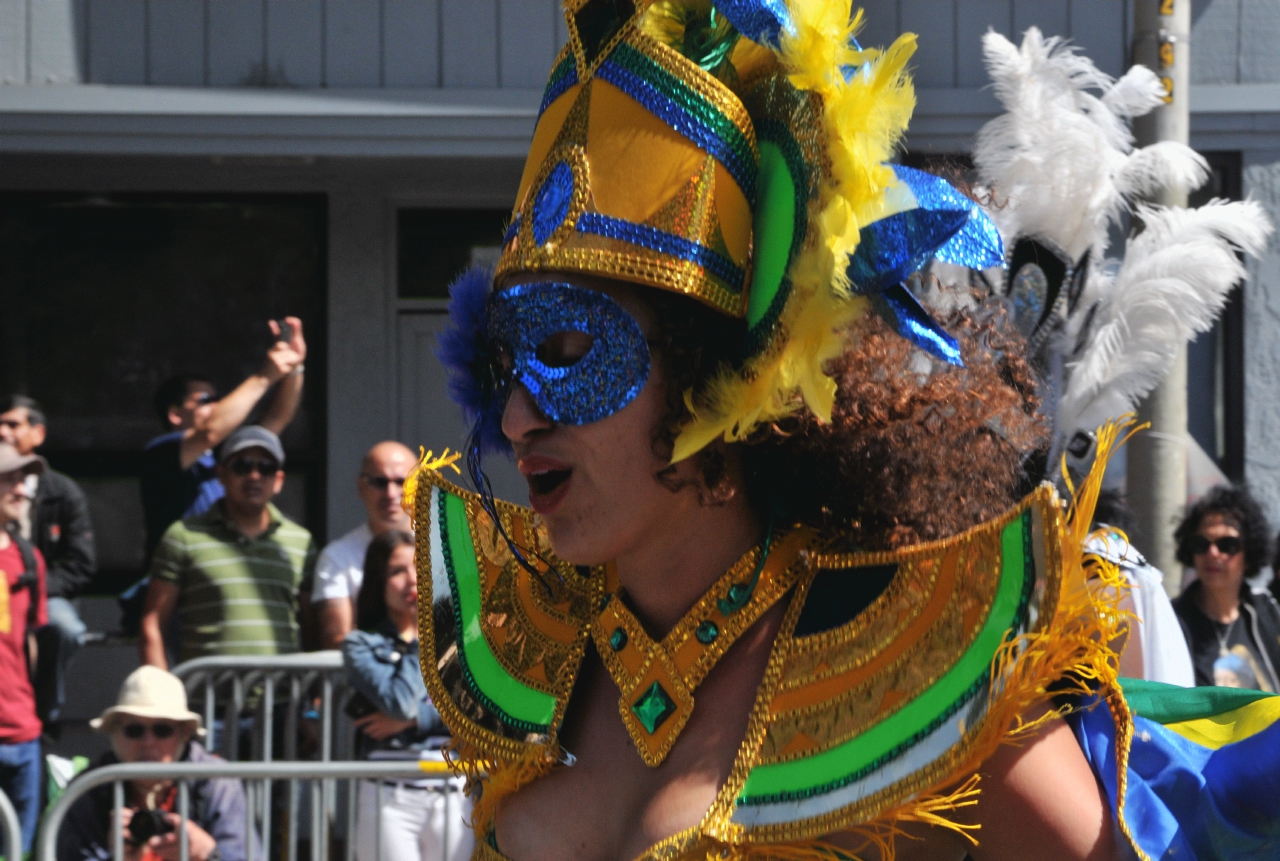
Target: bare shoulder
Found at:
x=1039, y=793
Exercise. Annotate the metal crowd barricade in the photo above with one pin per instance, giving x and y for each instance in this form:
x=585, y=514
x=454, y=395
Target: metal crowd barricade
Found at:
x=12, y=830
x=226, y=684
x=258, y=777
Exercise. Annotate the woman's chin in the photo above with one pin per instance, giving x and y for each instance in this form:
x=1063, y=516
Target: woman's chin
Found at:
x=575, y=543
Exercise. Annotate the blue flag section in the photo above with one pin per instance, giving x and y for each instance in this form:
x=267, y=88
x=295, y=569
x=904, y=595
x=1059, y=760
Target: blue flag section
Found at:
x=1201, y=779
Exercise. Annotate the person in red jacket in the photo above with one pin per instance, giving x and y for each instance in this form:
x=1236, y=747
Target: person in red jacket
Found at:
x=23, y=570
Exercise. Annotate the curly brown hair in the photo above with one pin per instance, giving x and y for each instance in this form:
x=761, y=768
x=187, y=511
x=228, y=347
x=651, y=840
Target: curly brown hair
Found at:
x=915, y=450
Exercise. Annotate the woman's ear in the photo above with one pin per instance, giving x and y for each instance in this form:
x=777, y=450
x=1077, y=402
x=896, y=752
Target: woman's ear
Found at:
x=719, y=473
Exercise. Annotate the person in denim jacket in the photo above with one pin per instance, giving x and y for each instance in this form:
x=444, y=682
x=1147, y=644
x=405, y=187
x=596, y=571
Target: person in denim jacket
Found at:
x=395, y=717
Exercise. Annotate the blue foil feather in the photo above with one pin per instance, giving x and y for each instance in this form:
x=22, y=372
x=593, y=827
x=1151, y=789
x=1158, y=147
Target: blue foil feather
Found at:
x=892, y=248
x=759, y=20
x=910, y=320
x=464, y=349
x=944, y=224
x=976, y=243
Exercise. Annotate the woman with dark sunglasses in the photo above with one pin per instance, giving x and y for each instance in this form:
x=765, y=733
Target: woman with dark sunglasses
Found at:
x=1232, y=630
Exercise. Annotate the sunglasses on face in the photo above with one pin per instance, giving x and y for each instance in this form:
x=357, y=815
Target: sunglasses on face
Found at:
x=204, y=398
x=138, y=731
x=1228, y=545
x=381, y=483
x=247, y=466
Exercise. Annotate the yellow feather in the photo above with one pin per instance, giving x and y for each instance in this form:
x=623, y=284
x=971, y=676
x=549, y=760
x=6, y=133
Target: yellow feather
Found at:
x=864, y=117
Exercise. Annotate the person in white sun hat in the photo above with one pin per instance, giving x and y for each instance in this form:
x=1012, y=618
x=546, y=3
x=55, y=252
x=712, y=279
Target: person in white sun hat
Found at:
x=150, y=722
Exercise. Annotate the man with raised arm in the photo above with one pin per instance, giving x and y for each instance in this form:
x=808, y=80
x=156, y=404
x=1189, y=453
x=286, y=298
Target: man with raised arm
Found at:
x=178, y=467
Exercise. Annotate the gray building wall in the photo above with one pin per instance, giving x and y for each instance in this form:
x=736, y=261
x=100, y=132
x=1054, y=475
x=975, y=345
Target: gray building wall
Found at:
x=384, y=103
x=1262, y=346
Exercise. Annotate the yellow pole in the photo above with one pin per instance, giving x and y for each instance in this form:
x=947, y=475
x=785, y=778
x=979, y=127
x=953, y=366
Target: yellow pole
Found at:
x=1157, y=461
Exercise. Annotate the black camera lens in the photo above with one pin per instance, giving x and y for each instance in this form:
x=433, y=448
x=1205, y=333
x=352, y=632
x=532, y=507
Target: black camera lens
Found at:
x=146, y=824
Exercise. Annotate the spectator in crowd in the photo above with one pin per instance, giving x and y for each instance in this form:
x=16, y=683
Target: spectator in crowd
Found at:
x=178, y=468
x=56, y=520
x=340, y=568
x=1155, y=649
x=232, y=573
x=23, y=568
x=394, y=713
x=1233, y=632
x=150, y=722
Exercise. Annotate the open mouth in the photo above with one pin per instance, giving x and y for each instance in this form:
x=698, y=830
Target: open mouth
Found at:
x=545, y=483
x=548, y=481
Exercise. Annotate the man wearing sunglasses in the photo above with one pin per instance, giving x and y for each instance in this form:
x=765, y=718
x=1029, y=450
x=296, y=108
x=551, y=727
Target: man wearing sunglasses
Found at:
x=231, y=574
x=1232, y=630
x=178, y=469
x=340, y=570
x=150, y=722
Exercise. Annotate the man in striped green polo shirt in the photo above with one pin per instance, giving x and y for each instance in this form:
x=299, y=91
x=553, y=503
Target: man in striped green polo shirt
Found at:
x=231, y=574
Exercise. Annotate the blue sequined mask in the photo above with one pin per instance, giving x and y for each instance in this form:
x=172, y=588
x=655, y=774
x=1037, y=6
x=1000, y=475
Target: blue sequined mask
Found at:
x=527, y=325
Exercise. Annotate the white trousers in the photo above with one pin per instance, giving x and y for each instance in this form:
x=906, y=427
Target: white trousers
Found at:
x=416, y=824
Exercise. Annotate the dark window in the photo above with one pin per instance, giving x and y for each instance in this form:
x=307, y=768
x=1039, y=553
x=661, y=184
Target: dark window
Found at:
x=434, y=246
x=106, y=295
x=1215, y=359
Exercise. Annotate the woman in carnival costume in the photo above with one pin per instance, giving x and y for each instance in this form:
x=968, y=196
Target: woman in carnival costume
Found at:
x=787, y=585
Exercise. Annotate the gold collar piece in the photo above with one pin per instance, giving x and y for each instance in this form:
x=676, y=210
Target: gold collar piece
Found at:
x=657, y=679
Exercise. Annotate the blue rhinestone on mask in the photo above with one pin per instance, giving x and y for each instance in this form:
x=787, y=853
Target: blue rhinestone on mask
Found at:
x=604, y=380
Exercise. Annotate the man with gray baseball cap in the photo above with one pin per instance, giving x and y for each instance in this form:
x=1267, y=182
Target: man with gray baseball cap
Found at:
x=221, y=571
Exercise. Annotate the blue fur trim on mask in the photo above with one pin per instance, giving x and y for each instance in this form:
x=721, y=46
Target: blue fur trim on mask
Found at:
x=466, y=352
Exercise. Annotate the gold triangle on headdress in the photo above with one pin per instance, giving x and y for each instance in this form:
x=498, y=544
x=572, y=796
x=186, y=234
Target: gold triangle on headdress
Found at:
x=691, y=212
x=575, y=126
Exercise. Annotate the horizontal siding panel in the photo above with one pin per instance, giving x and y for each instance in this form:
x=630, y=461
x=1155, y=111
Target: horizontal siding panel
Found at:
x=1215, y=41
x=411, y=43
x=117, y=41
x=934, y=22
x=235, y=43
x=57, y=41
x=469, y=42
x=175, y=43
x=1051, y=16
x=352, y=43
x=881, y=27
x=527, y=34
x=13, y=41
x=1100, y=27
x=973, y=19
x=1259, y=37
x=295, y=42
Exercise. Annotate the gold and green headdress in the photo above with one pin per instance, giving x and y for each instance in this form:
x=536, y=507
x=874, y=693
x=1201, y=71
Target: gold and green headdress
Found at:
x=733, y=151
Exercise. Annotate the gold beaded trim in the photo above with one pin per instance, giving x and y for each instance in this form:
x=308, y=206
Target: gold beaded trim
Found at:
x=657, y=680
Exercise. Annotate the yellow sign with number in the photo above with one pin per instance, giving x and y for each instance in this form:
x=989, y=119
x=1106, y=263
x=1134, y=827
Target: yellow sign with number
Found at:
x=6, y=621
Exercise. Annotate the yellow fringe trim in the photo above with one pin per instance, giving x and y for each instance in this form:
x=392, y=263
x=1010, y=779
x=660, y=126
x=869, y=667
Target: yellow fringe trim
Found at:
x=864, y=119
x=429, y=462
x=880, y=835
x=489, y=781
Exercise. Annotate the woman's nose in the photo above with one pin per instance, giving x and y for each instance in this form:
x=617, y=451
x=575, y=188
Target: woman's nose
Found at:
x=522, y=418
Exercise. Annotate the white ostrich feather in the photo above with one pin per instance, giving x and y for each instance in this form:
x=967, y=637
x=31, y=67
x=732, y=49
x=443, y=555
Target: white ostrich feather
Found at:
x=1060, y=161
x=1172, y=284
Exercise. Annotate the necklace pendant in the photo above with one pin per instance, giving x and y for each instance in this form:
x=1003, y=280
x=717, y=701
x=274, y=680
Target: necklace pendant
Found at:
x=656, y=681
x=656, y=708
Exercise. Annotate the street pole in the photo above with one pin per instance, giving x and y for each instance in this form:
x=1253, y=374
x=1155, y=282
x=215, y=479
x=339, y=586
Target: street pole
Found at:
x=1157, y=463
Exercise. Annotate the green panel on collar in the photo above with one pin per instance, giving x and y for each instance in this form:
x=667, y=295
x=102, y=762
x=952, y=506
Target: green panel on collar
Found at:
x=842, y=764
x=515, y=702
